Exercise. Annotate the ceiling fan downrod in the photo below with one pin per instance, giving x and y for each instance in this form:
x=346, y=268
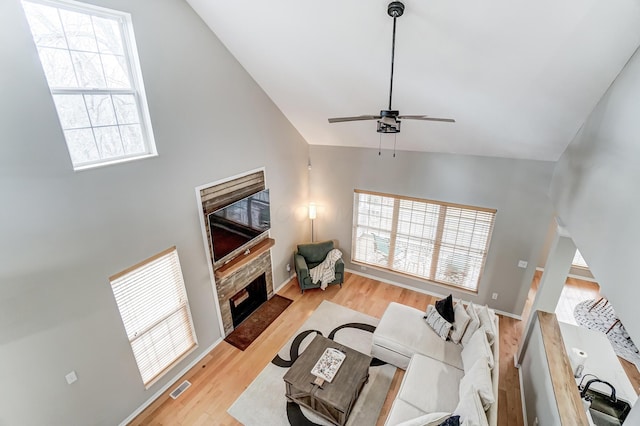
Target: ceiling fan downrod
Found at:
x=395, y=10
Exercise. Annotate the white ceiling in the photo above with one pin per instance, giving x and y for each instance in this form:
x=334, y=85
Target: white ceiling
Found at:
x=520, y=77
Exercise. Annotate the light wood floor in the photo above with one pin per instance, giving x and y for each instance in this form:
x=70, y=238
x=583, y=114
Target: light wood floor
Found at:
x=226, y=372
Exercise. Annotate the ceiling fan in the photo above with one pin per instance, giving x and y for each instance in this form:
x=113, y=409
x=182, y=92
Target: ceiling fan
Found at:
x=389, y=119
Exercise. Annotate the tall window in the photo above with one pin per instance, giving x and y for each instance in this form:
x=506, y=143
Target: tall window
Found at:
x=441, y=242
x=91, y=64
x=578, y=261
x=153, y=305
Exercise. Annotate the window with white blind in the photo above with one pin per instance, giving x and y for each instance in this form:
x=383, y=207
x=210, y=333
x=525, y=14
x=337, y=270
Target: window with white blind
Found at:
x=442, y=242
x=155, y=311
x=90, y=61
x=578, y=261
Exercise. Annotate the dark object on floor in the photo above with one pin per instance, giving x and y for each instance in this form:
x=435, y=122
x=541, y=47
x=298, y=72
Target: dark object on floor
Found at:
x=257, y=322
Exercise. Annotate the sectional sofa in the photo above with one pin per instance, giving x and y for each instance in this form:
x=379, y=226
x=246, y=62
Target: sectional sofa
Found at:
x=434, y=380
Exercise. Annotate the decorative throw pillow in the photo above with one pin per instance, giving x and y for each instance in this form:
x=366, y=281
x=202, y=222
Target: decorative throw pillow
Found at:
x=445, y=308
x=470, y=408
x=479, y=376
x=477, y=348
x=486, y=322
x=460, y=324
x=474, y=324
x=451, y=421
x=440, y=325
x=429, y=419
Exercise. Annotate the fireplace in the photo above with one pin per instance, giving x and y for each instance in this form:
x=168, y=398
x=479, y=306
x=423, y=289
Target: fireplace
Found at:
x=247, y=300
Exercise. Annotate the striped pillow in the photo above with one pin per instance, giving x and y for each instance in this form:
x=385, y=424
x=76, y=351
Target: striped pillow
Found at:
x=440, y=325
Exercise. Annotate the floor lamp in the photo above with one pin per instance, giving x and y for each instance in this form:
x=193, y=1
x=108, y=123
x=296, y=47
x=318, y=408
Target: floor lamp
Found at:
x=312, y=216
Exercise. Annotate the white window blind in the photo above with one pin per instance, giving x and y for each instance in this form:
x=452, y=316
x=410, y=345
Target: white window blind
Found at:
x=438, y=241
x=153, y=304
x=579, y=261
x=90, y=62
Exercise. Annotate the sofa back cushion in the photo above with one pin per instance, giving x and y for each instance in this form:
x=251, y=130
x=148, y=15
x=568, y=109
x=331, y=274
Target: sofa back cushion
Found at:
x=470, y=408
x=477, y=348
x=479, y=377
x=460, y=324
x=474, y=324
x=314, y=253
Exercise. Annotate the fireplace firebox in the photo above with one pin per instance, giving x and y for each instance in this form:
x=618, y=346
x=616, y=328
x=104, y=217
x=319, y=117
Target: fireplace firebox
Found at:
x=247, y=300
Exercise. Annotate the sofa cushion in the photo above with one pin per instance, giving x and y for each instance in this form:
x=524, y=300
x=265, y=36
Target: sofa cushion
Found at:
x=460, y=324
x=430, y=385
x=315, y=253
x=445, y=308
x=402, y=411
x=440, y=325
x=474, y=324
x=479, y=377
x=402, y=330
x=486, y=322
x=429, y=419
x=470, y=409
x=477, y=348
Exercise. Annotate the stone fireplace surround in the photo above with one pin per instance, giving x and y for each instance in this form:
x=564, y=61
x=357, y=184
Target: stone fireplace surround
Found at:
x=230, y=285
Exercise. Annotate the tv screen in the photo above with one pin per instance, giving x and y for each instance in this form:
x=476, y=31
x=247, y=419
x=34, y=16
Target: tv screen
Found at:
x=236, y=224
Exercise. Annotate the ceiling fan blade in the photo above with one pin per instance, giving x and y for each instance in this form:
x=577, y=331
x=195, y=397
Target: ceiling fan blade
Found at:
x=356, y=118
x=427, y=118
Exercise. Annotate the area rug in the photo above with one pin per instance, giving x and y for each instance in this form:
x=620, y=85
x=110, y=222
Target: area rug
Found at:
x=257, y=322
x=601, y=318
x=264, y=403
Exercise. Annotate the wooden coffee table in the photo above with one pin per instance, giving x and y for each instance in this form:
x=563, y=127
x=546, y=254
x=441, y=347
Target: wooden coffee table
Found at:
x=333, y=401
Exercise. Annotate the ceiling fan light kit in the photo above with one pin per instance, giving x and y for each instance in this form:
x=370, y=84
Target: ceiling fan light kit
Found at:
x=389, y=119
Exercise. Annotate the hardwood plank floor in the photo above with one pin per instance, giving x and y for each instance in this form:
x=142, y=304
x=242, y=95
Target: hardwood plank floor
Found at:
x=226, y=372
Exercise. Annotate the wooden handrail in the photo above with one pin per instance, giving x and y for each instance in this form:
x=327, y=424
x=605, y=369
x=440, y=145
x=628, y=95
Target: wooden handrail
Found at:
x=568, y=400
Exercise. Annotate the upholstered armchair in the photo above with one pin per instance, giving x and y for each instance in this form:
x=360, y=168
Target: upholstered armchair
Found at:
x=310, y=255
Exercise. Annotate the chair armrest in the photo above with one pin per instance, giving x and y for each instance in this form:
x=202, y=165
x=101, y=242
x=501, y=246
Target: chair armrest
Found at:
x=301, y=267
x=340, y=265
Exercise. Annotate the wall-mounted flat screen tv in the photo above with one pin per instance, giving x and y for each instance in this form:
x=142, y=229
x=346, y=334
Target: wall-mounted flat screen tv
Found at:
x=237, y=224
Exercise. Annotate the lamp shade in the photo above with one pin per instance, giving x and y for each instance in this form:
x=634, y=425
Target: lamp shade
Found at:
x=312, y=211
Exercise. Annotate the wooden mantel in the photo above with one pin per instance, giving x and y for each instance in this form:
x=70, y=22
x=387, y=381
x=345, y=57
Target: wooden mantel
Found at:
x=239, y=261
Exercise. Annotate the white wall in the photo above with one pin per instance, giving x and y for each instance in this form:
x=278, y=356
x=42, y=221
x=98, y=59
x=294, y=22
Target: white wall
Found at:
x=595, y=191
x=63, y=233
x=516, y=188
x=539, y=400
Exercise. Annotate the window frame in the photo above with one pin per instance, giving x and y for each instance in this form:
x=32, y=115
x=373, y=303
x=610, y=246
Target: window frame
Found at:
x=437, y=240
x=120, y=279
x=578, y=257
x=134, y=69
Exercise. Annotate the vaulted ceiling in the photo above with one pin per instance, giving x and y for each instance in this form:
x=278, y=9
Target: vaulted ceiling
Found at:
x=519, y=77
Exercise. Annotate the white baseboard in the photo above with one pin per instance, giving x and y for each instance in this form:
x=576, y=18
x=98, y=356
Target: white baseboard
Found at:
x=397, y=284
x=420, y=290
x=172, y=382
x=524, y=408
x=275, y=290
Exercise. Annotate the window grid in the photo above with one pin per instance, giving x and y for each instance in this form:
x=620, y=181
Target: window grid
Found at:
x=88, y=53
x=153, y=305
x=441, y=242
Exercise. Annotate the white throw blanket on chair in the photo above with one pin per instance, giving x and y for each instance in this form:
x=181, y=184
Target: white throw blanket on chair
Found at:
x=326, y=271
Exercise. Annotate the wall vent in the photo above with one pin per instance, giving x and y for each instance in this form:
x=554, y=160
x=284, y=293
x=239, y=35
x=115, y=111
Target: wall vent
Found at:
x=178, y=391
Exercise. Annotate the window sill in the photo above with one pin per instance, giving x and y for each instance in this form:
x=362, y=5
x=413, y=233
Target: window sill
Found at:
x=415, y=277
x=113, y=162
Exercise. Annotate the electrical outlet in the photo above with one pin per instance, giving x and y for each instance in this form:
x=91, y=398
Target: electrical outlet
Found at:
x=494, y=296
x=363, y=268
x=71, y=377
x=522, y=264
x=288, y=267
